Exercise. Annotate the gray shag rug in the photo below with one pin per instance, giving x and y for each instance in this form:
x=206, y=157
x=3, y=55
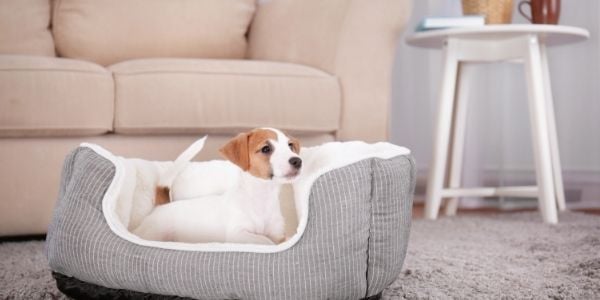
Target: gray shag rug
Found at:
x=492, y=256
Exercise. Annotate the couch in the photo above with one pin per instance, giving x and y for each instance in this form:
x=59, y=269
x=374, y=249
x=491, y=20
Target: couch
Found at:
x=144, y=78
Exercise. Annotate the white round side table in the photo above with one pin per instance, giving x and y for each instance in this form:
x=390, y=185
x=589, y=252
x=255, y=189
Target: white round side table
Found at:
x=492, y=43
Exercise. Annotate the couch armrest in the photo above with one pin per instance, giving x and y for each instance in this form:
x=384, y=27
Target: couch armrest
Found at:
x=353, y=39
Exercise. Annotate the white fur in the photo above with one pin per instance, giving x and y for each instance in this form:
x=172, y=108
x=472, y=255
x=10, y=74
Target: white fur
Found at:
x=201, y=179
x=245, y=211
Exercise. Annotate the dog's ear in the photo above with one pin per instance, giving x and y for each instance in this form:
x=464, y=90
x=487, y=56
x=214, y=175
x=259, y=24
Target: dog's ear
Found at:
x=295, y=144
x=236, y=151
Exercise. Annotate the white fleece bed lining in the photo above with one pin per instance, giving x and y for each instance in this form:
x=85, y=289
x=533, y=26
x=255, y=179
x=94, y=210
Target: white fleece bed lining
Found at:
x=316, y=161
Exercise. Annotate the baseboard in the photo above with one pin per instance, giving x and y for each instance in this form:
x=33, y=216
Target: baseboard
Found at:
x=582, y=189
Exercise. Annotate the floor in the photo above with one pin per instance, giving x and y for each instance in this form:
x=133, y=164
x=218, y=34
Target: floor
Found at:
x=495, y=255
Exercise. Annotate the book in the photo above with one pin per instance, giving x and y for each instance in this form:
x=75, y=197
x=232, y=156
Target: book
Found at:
x=432, y=23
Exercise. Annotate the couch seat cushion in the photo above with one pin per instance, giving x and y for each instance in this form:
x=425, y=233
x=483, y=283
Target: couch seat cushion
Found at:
x=48, y=96
x=25, y=27
x=112, y=31
x=194, y=96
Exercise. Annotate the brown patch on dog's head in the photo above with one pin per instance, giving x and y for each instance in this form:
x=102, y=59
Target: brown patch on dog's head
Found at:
x=260, y=150
x=251, y=152
x=294, y=144
x=236, y=151
x=161, y=195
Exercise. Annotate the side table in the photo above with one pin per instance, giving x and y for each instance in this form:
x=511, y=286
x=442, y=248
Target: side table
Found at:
x=492, y=43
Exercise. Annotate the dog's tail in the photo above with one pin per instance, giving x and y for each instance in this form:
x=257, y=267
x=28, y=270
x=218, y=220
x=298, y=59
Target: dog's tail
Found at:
x=166, y=179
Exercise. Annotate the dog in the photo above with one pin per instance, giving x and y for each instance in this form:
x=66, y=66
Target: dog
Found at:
x=249, y=212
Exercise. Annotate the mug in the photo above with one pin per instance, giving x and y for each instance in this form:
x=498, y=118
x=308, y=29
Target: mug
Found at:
x=542, y=11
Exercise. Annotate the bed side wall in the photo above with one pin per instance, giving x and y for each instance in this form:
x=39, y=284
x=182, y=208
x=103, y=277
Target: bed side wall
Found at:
x=391, y=211
x=85, y=178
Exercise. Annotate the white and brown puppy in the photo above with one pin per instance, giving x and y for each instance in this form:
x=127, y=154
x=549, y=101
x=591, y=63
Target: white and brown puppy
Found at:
x=247, y=213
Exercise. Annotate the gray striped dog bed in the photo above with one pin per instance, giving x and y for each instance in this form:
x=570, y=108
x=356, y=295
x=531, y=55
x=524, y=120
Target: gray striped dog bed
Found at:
x=353, y=245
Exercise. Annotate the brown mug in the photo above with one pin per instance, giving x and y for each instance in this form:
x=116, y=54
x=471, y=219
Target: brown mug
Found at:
x=542, y=11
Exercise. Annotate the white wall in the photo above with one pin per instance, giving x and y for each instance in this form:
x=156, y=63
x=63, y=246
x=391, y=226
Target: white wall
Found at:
x=498, y=136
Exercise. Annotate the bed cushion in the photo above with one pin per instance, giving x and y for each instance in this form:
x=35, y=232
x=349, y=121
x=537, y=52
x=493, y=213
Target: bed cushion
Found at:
x=25, y=27
x=199, y=96
x=359, y=217
x=102, y=31
x=49, y=96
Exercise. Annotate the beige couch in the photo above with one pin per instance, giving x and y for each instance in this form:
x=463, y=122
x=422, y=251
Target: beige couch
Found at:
x=145, y=78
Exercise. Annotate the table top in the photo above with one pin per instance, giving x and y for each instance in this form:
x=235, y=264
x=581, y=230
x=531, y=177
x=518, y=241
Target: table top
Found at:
x=551, y=35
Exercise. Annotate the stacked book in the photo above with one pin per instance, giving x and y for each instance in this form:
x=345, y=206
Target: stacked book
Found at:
x=432, y=23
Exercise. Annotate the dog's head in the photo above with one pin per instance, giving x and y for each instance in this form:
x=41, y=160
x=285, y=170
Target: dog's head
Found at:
x=266, y=153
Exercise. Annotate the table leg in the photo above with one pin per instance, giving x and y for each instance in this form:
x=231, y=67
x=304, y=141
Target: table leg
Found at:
x=438, y=162
x=539, y=127
x=556, y=168
x=458, y=136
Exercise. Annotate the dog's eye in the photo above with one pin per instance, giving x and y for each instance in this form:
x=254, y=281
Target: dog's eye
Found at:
x=291, y=146
x=266, y=149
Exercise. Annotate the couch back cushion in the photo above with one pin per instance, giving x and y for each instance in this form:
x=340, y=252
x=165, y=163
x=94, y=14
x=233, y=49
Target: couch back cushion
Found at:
x=25, y=27
x=110, y=31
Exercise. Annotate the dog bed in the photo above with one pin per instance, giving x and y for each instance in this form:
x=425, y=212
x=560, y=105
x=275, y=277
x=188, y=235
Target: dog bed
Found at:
x=353, y=205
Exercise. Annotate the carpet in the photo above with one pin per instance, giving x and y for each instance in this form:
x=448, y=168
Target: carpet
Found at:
x=492, y=256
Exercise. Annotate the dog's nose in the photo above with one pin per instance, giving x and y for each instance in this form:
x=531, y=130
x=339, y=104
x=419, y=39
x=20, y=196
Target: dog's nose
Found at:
x=296, y=162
